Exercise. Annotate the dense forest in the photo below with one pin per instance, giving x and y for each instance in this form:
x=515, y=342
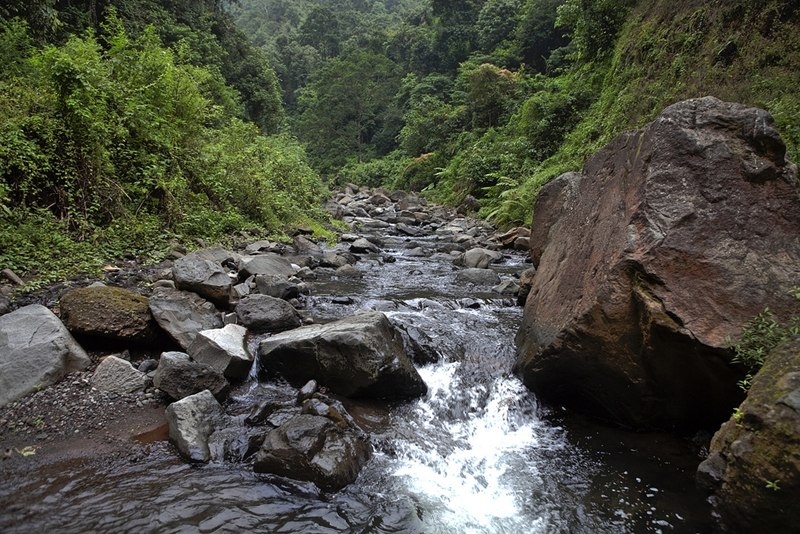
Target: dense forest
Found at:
x=125, y=124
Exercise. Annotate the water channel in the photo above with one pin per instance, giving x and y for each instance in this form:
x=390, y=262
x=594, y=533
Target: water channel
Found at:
x=477, y=454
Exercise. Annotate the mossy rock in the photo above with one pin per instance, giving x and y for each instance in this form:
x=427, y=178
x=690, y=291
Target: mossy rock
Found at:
x=109, y=313
x=753, y=469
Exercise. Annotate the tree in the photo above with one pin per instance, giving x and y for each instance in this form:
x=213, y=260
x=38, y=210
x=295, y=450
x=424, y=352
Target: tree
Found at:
x=342, y=109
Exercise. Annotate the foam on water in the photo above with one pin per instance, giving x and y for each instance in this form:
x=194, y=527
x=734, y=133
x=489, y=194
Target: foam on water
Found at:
x=471, y=473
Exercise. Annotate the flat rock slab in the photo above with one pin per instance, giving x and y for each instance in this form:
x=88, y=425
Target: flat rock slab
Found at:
x=36, y=351
x=359, y=356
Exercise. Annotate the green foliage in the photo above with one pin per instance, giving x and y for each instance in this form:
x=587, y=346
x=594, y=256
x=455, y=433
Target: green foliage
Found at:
x=110, y=145
x=759, y=336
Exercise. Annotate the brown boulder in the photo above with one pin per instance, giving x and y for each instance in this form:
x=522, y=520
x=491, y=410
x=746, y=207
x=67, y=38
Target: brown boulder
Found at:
x=669, y=241
x=110, y=313
x=753, y=469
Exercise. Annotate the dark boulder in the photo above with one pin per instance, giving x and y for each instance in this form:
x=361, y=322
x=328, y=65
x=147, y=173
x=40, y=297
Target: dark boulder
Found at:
x=359, y=356
x=670, y=240
x=752, y=472
x=315, y=449
x=262, y=313
x=179, y=376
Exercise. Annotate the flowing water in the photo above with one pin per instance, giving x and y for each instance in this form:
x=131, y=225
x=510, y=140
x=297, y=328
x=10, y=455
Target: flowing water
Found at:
x=477, y=454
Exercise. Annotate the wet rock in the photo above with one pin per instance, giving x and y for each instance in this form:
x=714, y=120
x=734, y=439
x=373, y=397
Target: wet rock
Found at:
x=361, y=355
x=314, y=449
x=262, y=313
x=205, y=277
x=417, y=344
x=265, y=264
x=36, y=350
x=525, y=284
x=479, y=258
x=276, y=286
x=110, y=313
x=506, y=287
x=307, y=391
x=234, y=444
x=5, y=304
x=334, y=261
x=363, y=246
x=304, y=246
x=349, y=271
x=224, y=349
x=478, y=277
x=182, y=314
x=752, y=472
x=191, y=422
x=652, y=257
x=115, y=375
x=179, y=376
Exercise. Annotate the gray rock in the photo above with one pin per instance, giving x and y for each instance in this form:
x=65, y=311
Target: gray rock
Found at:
x=36, y=351
x=262, y=313
x=179, y=376
x=205, y=277
x=363, y=246
x=303, y=245
x=349, y=271
x=313, y=448
x=506, y=287
x=191, y=422
x=116, y=375
x=265, y=264
x=276, y=286
x=478, y=277
x=479, y=258
x=5, y=304
x=362, y=355
x=224, y=349
x=183, y=314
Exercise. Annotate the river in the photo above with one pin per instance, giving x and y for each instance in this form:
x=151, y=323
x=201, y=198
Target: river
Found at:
x=477, y=454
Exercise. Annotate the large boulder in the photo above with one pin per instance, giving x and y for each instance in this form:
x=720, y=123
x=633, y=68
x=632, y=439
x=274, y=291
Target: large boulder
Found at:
x=262, y=313
x=265, y=264
x=315, y=449
x=359, y=356
x=224, y=349
x=191, y=422
x=205, y=277
x=36, y=351
x=182, y=314
x=110, y=313
x=753, y=469
x=179, y=376
x=671, y=239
